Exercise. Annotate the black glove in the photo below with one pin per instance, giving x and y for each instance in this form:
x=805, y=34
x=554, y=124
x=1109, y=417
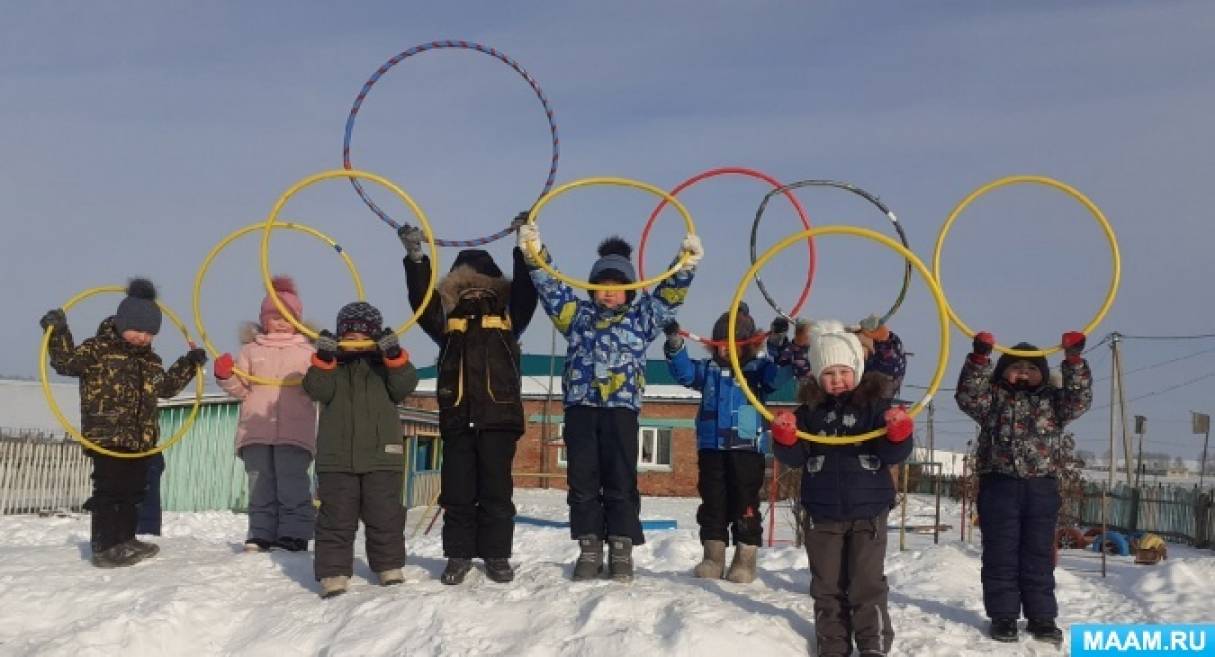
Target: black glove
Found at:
x=197, y=356
x=388, y=343
x=55, y=318
x=780, y=326
x=519, y=220
x=326, y=346
x=674, y=339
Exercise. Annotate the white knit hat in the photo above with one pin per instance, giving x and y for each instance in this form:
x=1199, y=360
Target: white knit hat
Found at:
x=832, y=344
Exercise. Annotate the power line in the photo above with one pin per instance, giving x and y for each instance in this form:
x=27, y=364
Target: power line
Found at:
x=1160, y=364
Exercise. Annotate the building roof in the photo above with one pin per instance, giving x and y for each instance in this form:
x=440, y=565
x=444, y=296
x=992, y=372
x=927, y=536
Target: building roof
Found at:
x=23, y=406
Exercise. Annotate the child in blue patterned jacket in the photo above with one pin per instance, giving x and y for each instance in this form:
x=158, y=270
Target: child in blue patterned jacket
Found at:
x=603, y=383
x=731, y=438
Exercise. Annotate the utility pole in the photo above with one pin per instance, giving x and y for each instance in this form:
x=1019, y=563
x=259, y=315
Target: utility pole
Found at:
x=1140, y=429
x=1126, y=439
x=1202, y=424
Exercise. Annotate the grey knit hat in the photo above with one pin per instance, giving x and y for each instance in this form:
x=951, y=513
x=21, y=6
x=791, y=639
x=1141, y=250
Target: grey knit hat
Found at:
x=360, y=317
x=613, y=261
x=138, y=311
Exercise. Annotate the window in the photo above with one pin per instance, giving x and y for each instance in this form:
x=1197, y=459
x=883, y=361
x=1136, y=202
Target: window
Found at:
x=425, y=456
x=653, y=448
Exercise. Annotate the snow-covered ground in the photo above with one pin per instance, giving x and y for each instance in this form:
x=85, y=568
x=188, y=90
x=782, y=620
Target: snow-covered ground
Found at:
x=202, y=596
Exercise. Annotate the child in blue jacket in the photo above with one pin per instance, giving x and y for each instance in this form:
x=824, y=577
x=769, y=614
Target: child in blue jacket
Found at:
x=731, y=440
x=603, y=383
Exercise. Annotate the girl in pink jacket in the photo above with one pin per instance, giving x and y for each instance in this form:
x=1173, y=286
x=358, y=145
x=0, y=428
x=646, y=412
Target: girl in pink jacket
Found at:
x=276, y=436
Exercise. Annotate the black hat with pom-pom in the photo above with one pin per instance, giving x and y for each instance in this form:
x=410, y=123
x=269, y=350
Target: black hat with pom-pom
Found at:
x=613, y=263
x=138, y=311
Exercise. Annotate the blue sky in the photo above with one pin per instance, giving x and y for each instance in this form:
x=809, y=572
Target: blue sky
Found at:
x=134, y=139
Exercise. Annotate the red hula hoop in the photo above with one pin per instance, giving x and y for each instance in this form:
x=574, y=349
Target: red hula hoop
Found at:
x=751, y=173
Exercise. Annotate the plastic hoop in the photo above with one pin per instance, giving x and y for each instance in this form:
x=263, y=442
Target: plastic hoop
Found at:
x=272, y=219
x=44, y=356
x=742, y=171
x=937, y=294
x=223, y=244
x=623, y=182
x=1115, y=257
x=437, y=45
x=848, y=187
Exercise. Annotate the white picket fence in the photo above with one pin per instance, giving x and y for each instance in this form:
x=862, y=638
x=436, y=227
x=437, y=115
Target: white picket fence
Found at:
x=38, y=476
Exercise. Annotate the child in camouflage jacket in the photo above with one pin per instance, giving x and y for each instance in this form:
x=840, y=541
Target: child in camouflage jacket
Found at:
x=121, y=379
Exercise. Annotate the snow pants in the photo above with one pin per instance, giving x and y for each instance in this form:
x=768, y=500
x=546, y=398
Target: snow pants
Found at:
x=729, y=485
x=119, y=485
x=280, y=492
x=149, y=509
x=375, y=497
x=478, y=513
x=1018, y=517
x=848, y=584
x=601, y=456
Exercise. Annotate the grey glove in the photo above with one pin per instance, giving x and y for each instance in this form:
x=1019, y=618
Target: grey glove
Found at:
x=326, y=346
x=388, y=343
x=411, y=238
x=55, y=318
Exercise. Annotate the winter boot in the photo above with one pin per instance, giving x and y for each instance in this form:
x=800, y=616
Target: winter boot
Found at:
x=499, y=570
x=620, y=558
x=144, y=550
x=333, y=586
x=1004, y=630
x=590, y=559
x=742, y=569
x=456, y=570
x=1044, y=629
x=118, y=556
x=291, y=544
x=257, y=545
x=391, y=577
x=713, y=566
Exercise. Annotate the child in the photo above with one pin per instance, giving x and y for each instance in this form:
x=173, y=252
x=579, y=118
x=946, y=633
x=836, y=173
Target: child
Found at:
x=476, y=316
x=603, y=383
x=731, y=441
x=276, y=435
x=360, y=462
x=1021, y=416
x=120, y=380
x=845, y=490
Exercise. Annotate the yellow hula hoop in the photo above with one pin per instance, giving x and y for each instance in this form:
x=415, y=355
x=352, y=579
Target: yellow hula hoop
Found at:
x=223, y=244
x=797, y=238
x=1116, y=259
x=622, y=182
x=43, y=357
x=272, y=219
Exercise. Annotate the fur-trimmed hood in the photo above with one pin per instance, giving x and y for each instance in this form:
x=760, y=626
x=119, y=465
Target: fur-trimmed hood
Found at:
x=463, y=279
x=872, y=386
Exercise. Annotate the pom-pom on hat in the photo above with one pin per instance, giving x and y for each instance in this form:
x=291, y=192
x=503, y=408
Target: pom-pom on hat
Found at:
x=285, y=287
x=613, y=262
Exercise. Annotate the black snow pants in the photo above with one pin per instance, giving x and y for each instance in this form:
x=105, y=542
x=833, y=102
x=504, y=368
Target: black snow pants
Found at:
x=1018, y=517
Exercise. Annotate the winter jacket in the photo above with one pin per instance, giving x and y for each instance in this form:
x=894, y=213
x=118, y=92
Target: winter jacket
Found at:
x=360, y=429
x=270, y=414
x=119, y=386
x=1021, y=431
x=606, y=356
x=479, y=382
x=845, y=482
x=726, y=420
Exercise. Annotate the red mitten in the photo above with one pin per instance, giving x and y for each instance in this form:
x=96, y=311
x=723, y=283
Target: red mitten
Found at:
x=223, y=367
x=784, y=429
x=981, y=348
x=1073, y=346
x=898, y=424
